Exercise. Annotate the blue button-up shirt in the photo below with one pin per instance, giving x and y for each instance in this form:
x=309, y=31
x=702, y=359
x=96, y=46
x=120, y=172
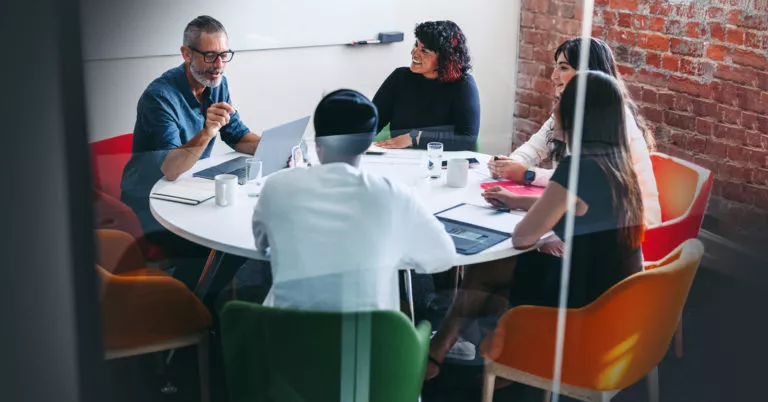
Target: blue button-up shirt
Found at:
x=167, y=116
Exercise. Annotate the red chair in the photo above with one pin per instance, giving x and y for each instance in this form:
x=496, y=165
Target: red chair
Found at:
x=684, y=190
x=108, y=159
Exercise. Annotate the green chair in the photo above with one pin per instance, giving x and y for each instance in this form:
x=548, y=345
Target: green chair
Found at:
x=282, y=355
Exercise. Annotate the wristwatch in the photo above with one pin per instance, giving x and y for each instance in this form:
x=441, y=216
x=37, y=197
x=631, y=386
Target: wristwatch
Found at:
x=529, y=176
x=415, y=137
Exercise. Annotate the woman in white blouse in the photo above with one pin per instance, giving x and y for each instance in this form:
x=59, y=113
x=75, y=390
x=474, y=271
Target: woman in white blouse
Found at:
x=523, y=164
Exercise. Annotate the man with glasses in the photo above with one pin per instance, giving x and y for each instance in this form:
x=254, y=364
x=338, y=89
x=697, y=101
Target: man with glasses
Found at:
x=178, y=118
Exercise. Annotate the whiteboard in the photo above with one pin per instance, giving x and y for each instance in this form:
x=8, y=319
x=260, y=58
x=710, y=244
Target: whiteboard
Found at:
x=113, y=29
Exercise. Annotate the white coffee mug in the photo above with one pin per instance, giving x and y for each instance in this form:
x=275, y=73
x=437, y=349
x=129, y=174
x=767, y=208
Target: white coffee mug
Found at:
x=458, y=169
x=226, y=189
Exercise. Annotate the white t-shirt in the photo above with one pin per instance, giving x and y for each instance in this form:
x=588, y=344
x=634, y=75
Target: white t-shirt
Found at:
x=536, y=150
x=338, y=236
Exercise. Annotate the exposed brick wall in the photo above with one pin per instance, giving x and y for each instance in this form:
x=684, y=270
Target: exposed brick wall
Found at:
x=698, y=70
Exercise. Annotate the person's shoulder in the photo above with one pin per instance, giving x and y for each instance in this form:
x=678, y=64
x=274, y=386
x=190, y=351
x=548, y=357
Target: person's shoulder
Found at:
x=164, y=87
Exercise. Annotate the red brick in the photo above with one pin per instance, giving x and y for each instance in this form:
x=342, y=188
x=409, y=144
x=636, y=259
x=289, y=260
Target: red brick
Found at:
x=750, y=58
x=689, y=11
x=728, y=114
x=704, y=108
x=686, y=85
x=687, y=47
x=674, y=27
x=715, y=12
x=671, y=63
x=760, y=177
x=635, y=91
x=533, y=99
x=755, y=21
x=566, y=10
x=630, y=5
x=732, y=135
x=732, y=191
x=718, y=52
x=704, y=126
x=694, y=30
x=530, y=68
x=625, y=20
x=716, y=31
x=658, y=24
x=683, y=103
x=539, y=114
x=762, y=124
x=625, y=70
x=542, y=85
x=540, y=6
x=728, y=94
x=653, y=114
x=753, y=40
x=653, y=41
x=735, y=35
x=653, y=59
x=760, y=195
x=718, y=149
x=734, y=17
x=651, y=78
x=598, y=32
x=526, y=51
x=649, y=96
x=660, y=7
x=639, y=22
x=679, y=139
x=521, y=110
x=601, y=3
x=544, y=21
x=527, y=126
x=742, y=75
x=679, y=120
x=754, y=139
x=689, y=67
x=698, y=144
x=527, y=18
x=569, y=27
x=667, y=99
x=623, y=36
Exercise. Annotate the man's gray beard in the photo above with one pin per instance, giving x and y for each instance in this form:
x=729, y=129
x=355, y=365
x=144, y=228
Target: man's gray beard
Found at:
x=199, y=75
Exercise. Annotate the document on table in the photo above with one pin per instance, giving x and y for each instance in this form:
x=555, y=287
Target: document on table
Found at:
x=483, y=216
x=184, y=191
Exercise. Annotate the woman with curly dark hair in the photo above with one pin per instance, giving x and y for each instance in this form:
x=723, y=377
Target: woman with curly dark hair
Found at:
x=435, y=99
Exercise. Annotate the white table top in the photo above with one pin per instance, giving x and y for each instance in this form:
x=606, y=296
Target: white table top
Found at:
x=229, y=229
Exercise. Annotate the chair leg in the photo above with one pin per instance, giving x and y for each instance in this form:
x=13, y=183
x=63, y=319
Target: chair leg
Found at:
x=203, y=367
x=679, y=339
x=653, y=385
x=489, y=380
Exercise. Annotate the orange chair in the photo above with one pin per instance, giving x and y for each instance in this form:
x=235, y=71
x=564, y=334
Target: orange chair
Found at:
x=609, y=344
x=684, y=190
x=144, y=310
x=108, y=159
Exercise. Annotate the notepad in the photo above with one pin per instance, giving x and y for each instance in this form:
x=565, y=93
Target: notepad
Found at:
x=515, y=188
x=375, y=150
x=178, y=192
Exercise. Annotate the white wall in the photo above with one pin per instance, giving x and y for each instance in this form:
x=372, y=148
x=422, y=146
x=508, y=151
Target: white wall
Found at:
x=273, y=86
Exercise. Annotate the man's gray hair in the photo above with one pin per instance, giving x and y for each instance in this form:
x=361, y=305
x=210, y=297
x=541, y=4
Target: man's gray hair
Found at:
x=203, y=23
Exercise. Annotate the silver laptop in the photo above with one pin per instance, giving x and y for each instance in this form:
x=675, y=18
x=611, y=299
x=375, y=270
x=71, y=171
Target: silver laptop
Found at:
x=274, y=150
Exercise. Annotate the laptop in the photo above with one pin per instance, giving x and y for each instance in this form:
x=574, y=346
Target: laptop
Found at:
x=274, y=150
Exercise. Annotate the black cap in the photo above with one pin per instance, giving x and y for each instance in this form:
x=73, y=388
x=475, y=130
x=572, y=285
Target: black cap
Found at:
x=345, y=111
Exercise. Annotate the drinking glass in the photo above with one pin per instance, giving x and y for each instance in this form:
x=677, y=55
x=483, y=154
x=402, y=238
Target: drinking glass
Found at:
x=253, y=179
x=434, y=159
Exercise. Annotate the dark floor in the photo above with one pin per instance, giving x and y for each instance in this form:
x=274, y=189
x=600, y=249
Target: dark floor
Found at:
x=726, y=330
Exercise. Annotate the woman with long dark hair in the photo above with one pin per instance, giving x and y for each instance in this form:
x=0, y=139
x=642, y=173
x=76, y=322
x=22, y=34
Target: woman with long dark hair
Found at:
x=608, y=227
x=435, y=98
x=523, y=164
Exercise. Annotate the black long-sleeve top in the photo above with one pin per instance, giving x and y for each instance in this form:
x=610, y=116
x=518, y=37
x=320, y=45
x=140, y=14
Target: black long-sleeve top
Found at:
x=448, y=112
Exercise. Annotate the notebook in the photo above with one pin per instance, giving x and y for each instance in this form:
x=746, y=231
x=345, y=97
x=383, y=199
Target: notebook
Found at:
x=515, y=188
x=178, y=192
x=488, y=226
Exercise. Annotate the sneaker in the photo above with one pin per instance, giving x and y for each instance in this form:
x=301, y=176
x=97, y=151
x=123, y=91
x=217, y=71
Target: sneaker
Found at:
x=461, y=350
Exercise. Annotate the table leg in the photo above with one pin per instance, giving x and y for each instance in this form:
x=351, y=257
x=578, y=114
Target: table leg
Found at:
x=209, y=271
x=407, y=281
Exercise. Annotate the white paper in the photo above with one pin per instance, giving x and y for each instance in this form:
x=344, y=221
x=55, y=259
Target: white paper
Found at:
x=486, y=217
x=187, y=189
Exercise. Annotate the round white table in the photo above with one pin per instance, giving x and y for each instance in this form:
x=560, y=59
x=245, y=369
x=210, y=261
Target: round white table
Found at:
x=229, y=229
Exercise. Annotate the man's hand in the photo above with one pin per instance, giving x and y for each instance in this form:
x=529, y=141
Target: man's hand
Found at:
x=217, y=117
x=399, y=142
x=556, y=248
x=499, y=197
x=507, y=168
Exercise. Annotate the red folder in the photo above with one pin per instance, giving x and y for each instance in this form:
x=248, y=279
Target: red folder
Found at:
x=516, y=188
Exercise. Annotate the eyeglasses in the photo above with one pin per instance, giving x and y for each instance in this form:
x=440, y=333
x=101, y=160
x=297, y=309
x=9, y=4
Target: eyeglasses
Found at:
x=210, y=57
